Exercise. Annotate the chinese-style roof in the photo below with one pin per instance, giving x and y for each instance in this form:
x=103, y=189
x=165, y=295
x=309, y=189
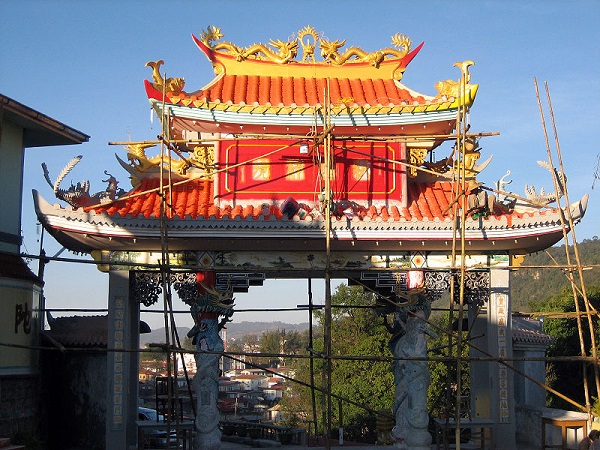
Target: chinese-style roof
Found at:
x=529, y=331
x=79, y=331
x=82, y=331
x=263, y=194
x=12, y=266
x=425, y=224
x=249, y=377
x=258, y=91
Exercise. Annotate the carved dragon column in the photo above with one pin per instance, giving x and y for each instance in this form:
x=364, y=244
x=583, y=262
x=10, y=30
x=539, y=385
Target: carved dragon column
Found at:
x=411, y=375
x=206, y=310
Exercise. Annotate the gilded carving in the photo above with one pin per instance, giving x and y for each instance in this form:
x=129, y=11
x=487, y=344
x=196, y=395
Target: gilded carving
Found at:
x=203, y=158
x=211, y=34
x=452, y=88
x=136, y=154
x=285, y=52
x=174, y=85
x=308, y=38
x=330, y=51
x=470, y=156
x=416, y=158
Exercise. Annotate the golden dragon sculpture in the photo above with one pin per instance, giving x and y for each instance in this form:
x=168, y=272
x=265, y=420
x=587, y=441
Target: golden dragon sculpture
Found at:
x=174, y=85
x=330, y=51
x=283, y=52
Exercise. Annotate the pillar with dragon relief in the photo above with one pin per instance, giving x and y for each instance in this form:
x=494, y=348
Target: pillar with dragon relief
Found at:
x=411, y=372
x=211, y=310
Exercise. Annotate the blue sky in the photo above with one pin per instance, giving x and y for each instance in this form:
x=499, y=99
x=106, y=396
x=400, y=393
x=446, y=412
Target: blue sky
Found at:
x=82, y=62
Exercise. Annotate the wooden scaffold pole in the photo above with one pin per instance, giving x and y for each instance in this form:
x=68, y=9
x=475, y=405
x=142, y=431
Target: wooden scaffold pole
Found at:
x=560, y=187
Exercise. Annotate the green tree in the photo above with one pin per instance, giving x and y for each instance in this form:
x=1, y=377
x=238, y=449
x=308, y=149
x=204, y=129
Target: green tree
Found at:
x=295, y=342
x=566, y=377
x=442, y=391
x=272, y=342
x=530, y=286
x=355, y=332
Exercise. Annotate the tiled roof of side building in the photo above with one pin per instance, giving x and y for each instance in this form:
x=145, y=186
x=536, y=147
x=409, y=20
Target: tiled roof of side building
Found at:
x=529, y=331
x=82, y=331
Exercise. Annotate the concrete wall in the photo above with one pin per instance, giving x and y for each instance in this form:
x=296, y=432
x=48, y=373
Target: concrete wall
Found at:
x=74, y=399
x=19, y=400
x=526, y=391
x=11, y=174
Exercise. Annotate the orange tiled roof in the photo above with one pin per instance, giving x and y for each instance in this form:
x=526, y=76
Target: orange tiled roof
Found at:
x=426, y=201
x=289, y=91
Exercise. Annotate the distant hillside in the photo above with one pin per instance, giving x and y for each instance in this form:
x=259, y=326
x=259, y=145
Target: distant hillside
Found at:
x=235, y=331
x=530, y=286
x=158, y=336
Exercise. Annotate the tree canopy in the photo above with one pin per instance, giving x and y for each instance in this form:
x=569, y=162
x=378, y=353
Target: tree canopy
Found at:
x=369, y=384
x=567, y=376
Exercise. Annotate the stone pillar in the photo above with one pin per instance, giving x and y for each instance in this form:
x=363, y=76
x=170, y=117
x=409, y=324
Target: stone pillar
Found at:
x=412, y=381
x=492, y=387
x=411, y=372
x=208, y=306
x=122, y=366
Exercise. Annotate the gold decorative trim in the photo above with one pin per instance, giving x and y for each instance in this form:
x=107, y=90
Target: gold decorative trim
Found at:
x=308, y=38
x=173, y=85
x=226, y=56
x=438, y=104
x=202, y=157
x=330, y=52
x=416, y=157
x=283, y=52
x=451, y=88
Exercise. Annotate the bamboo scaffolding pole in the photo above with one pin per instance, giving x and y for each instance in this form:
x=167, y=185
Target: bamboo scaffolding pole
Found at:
x=461, y=129
x=569, y=276
x=309, y=138
x=164, y=270
x=327, y=365
x=567, y=251
x=582, y=289
x=311, y=361
x=171, y=333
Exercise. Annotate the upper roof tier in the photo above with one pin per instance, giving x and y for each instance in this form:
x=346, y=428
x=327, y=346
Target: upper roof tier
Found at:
x=265, y=89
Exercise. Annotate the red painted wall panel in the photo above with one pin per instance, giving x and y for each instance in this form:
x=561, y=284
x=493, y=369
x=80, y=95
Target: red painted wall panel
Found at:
x=365, y=172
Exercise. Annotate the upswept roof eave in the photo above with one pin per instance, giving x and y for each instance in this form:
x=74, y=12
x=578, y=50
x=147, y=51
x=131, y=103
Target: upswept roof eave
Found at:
x=494, y=227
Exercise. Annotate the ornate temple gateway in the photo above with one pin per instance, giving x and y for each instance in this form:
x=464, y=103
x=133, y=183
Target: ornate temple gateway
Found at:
x=302, y=158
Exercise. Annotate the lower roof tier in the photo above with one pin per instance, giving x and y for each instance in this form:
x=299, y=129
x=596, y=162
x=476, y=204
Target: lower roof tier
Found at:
x=133, y=223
